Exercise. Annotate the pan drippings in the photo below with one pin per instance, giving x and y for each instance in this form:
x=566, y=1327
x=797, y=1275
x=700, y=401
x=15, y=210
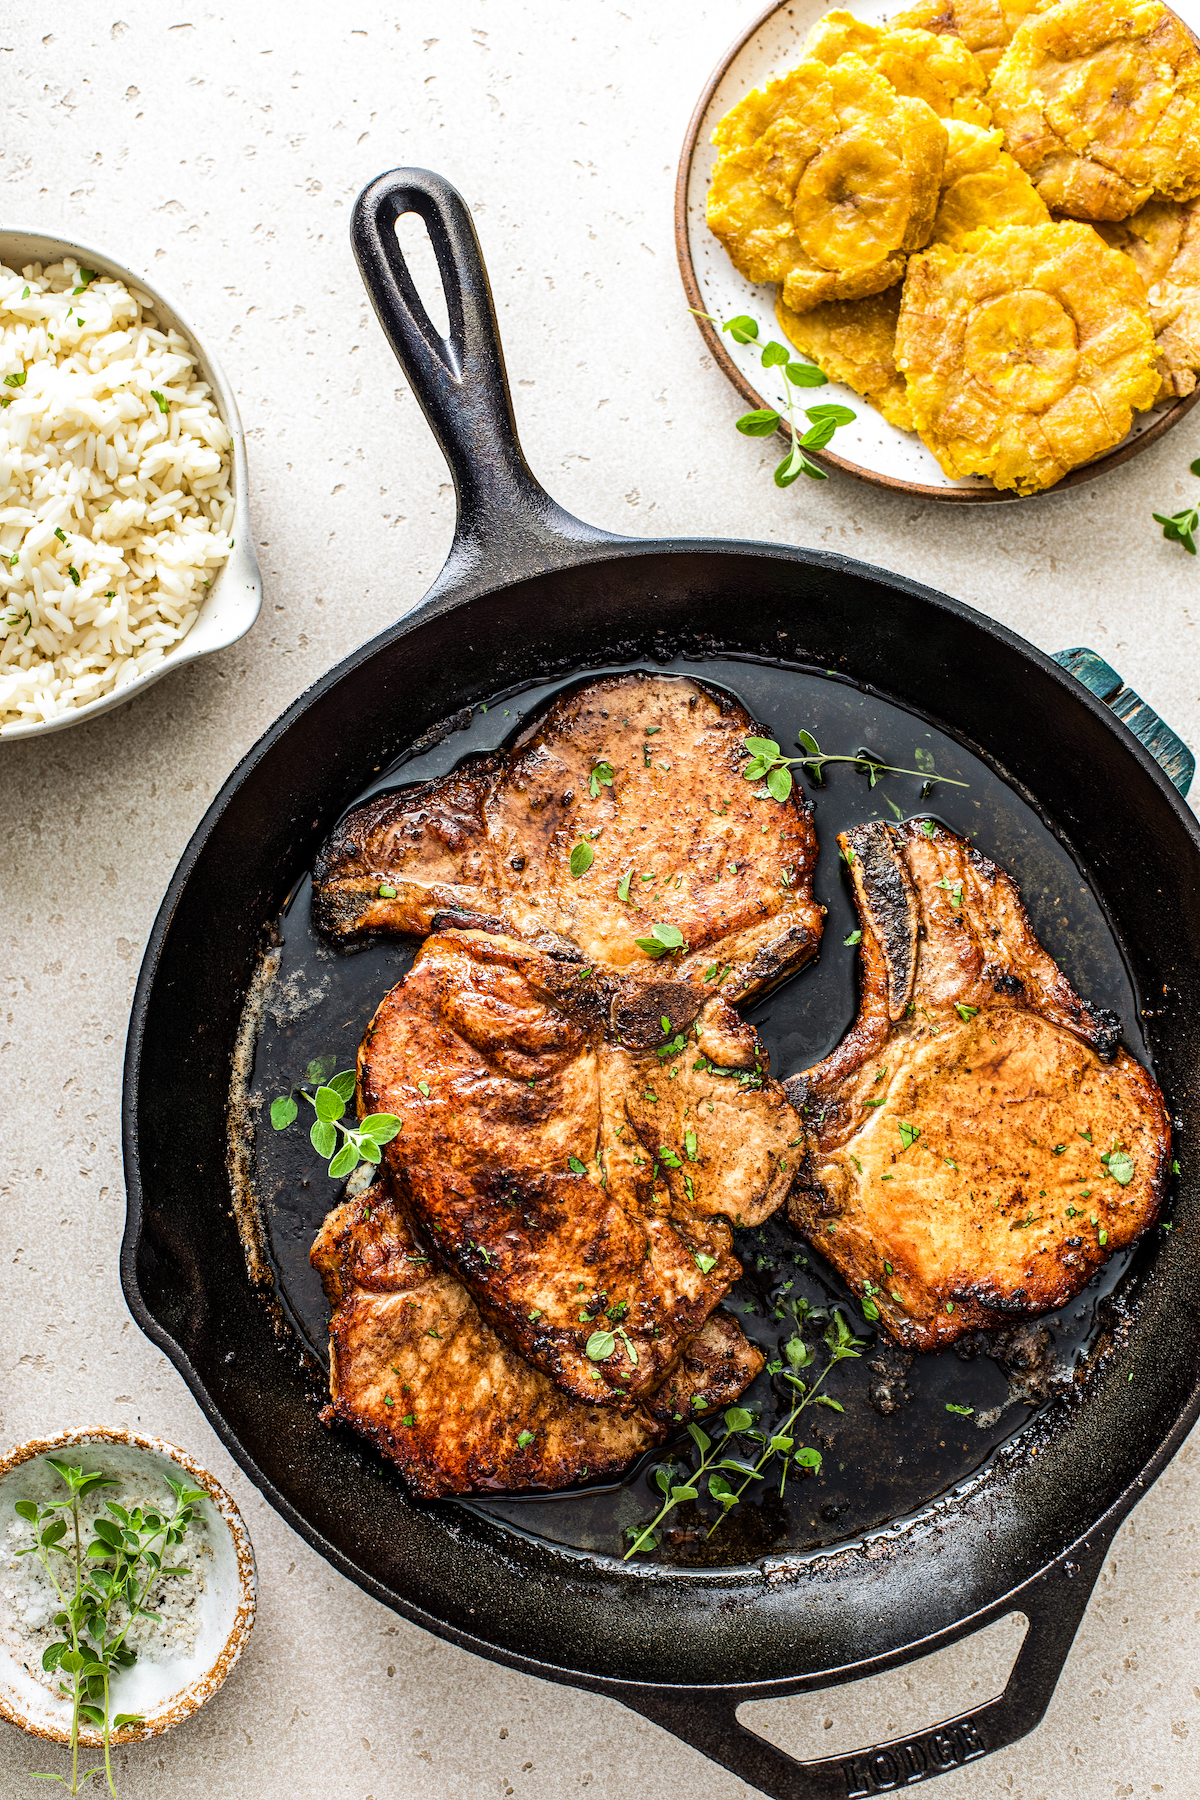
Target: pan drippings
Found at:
x=912, y=1426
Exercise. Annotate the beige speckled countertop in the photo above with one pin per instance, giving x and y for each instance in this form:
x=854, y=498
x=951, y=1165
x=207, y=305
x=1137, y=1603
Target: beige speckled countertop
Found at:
x=221, y=150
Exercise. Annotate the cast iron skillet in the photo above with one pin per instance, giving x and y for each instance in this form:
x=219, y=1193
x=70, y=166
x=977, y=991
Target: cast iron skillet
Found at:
x=526, y=591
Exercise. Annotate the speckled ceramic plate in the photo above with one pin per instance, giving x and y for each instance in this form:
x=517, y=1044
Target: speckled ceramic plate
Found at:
x=870, y=449
x=166, y=1686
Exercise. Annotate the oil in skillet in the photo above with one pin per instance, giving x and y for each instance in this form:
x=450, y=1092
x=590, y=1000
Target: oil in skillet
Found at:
x=878, y=1464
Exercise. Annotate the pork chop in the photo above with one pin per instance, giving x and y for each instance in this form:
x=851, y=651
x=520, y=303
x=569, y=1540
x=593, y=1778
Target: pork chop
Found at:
x=414, y=1368
x=579, y=1187
x=624, y=808
x=983, y=1143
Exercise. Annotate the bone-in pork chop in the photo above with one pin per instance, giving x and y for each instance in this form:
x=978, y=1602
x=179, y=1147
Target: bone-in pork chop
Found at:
x=984, y=1145
x=580, y=1188
x=415, y=1368
x=640, y=773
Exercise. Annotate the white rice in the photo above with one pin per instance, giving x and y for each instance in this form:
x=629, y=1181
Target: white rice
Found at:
x=114, y=515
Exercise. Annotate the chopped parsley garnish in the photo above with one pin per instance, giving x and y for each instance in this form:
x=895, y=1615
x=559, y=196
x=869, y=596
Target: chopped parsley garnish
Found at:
x=964, y=1412
x=19, y=381
x=159, y=401
x=387, y=893
x=423, y=1087
x=704, y=1262
x=854, y=938
x=523, y=1438
x=908, y=1134
x=575, y=1166
x=601, y=776
x=965, y=1012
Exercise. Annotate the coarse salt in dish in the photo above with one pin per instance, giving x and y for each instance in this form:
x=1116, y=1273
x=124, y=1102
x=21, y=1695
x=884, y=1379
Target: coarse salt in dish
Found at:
x=115, y=500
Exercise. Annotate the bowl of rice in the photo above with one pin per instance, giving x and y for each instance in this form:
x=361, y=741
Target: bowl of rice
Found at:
x=125, y=547
x=203, y=1615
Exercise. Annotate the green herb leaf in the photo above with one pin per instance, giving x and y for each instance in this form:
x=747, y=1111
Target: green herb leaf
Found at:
x=704, y=1262
x=738, y=1419
x=323, y=1137
x=575, y=1166
x=381, y=1128
x=523, y=1438
x=743, y=329
x=346, y=1160
x=1179, y=528
x=159, y=401
x=779, y=783
x=601, y=776
x=805, y=375
x=600, y=1346
x=582, y=858
x=808, y=1459
x=689, y=1144
x=1120, y=1166
x=758, y=424
x=623, y=887
x=283, y=1111
x=15, y=381
x=854, y=938
x=965, y=1412
x=73, y=572
x=328, y=1103
x=909, y=1135
x=775, y=355
x=965, y=1012
x=387, y=892
x=835, y=415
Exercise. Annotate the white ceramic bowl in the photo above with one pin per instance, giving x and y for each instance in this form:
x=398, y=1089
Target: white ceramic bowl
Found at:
x=233, y=601
x=164, y=1692
x=870, y=448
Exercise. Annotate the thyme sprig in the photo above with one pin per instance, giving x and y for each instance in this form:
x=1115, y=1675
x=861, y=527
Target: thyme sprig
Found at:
x=823, y=420
x=360, y=1143
x=114, y=1570
x=766, y=761
x=719, y=1457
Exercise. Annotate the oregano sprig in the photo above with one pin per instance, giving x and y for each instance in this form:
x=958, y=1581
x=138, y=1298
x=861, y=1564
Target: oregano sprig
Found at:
x=720, y=1457
x=767, y=762
x=103, y=1591
x=823, y=420
x=1181, y=527
x=360, y=1143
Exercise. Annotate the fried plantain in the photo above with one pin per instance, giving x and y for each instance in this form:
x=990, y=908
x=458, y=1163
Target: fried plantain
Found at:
x=983, y=189
x=1026, y=354
x=855, y=165
x=1099, y=101
x=1163, y=238
x=939, y=70
x=986, y=27
x=854, y=341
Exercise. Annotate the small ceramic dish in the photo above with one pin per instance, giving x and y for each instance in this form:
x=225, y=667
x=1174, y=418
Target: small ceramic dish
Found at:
x=167, y=1684
x=232, y=603
x=870, y=449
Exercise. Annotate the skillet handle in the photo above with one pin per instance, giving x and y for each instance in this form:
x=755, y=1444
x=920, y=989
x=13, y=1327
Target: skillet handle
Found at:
x=1054, y=1604
x=461, y=381
x=1100, y=678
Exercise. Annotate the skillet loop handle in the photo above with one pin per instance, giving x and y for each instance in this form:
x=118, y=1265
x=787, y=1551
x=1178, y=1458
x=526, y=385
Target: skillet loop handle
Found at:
x=461, y=381
x=1100, y=678
x=1054, y=1604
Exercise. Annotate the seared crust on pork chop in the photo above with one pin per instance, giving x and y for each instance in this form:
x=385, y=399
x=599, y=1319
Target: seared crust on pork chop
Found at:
x=983, y=1144
x=415, y=1369
x=642, y=771
x=579, y=1187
